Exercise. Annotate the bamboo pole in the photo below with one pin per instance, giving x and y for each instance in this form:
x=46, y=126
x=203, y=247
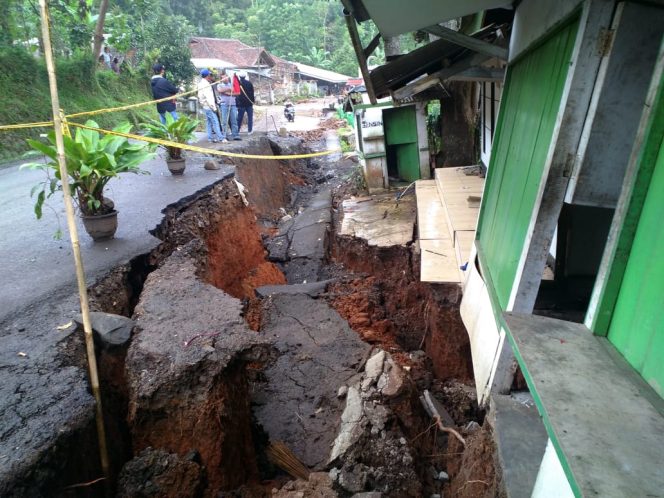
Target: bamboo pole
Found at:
x=60, y=126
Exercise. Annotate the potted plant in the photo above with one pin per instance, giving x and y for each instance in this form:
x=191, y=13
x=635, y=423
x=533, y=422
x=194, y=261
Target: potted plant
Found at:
x=178, y=130
x=92, y=160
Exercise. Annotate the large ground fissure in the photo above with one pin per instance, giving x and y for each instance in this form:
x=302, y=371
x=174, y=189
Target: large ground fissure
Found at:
x=320, y=342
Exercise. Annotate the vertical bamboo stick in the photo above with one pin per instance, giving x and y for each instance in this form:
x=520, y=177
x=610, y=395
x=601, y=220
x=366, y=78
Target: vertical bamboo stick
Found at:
x=59, y=126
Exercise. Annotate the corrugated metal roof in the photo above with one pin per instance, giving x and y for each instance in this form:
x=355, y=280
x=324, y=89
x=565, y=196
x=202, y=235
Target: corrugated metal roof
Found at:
x=201, y=63
x=321, y=74
x=395, y=17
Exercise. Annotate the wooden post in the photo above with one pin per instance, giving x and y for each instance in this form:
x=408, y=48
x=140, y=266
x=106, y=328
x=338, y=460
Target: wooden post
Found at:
x=59, y=127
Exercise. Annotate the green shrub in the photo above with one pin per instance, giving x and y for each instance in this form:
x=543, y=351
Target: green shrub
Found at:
x=25, y=95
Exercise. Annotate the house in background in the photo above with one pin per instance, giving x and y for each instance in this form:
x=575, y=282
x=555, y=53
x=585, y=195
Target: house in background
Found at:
x=565, y=278
x=272, y=76
x=319, y=80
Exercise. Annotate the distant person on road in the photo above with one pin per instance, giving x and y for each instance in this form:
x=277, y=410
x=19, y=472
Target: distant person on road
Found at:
x=228, y=108
x=245, y=103
x=106, y=54
x=162, y=88
x=208, y=102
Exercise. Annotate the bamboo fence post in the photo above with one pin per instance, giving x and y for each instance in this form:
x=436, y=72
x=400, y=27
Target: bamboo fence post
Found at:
x=60, y=126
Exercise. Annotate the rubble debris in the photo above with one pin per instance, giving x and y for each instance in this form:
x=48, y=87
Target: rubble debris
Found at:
x=154, y=473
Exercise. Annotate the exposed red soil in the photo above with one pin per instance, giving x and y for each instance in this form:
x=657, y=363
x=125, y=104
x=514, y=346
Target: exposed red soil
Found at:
x=236, y=257
x=219, y=429
x=253, y=313
x=398, y=311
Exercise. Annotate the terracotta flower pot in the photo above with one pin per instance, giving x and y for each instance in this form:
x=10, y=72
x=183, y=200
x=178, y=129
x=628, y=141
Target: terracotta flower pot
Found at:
x=176, y=166
x=101, y=227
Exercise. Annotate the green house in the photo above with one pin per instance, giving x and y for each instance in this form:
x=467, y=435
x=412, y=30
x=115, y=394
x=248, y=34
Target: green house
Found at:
x=566, y=279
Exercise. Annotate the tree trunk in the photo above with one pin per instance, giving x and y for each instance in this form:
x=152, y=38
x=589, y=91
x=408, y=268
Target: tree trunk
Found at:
x=99, y=31
x=458, y=122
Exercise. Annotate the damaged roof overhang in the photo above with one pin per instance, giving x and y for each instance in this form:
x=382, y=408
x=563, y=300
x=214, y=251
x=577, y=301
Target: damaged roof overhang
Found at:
x=440, y=60
x=453, y=56
x=396, y=17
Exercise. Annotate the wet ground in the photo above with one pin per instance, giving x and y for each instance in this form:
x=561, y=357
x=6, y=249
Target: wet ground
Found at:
x=254, y=326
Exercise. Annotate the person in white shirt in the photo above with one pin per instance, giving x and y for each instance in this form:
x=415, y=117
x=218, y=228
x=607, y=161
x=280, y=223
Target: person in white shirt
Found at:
x=208, y=102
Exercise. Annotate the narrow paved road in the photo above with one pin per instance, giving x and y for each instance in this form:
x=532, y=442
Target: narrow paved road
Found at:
x=34, y=265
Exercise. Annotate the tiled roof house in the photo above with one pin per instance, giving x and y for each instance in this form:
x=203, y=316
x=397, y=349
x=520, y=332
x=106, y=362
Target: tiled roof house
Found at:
x=271, y=74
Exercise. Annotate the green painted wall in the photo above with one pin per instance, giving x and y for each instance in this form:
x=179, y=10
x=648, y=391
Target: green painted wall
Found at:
x=637, y=326
x=528, y=111
x=400, y=125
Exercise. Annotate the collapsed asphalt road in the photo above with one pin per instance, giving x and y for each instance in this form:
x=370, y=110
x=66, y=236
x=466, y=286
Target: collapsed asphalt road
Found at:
x=235, y=348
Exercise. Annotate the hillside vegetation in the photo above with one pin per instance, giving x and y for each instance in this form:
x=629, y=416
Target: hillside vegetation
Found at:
x=25, y=97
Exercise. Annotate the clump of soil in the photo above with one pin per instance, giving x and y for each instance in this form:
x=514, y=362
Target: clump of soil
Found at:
x=475, y=474
x=158, y=473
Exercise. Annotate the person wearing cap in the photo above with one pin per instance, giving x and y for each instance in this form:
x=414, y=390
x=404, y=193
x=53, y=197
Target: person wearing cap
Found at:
x=228, y=108
x=245, y=103
x=209, y=105
x=162, y=88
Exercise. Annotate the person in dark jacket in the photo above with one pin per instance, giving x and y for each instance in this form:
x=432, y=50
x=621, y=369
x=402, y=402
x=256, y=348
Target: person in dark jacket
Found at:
x=245, y=103
x=162, y=88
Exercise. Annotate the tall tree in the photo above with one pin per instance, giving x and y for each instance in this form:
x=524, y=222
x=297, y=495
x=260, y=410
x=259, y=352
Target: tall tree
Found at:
x=99, y=30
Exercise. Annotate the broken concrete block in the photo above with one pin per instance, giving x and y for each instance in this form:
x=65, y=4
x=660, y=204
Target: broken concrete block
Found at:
x=342, y=391
x=374, y=366
x=350, y=429
x=111, y=330
x=353, y=479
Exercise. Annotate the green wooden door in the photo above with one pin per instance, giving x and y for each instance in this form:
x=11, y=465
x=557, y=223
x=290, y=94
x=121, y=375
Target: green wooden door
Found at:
x=637, y=324
x=528, y=111
x=400, y=125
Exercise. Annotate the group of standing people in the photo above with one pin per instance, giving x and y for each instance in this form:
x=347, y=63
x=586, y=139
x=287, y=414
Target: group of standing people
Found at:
x=225, y=104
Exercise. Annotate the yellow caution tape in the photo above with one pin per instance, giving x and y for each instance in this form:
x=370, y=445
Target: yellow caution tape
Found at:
x=41, y=124
x=194, y=148
x=133, y=106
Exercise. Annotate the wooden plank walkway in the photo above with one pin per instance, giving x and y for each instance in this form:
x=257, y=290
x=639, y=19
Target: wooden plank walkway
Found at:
x=447, y=211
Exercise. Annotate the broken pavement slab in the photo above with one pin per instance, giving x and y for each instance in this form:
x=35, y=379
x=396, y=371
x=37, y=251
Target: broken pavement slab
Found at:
x=318, y=353
x=312, y=289
x=380, y=220
x=306, y=236
x=188, y=387
x=108, y=328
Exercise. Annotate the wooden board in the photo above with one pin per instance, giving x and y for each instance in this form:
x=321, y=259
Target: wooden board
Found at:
x=455, y=188
x=431, y=219
x=463, y=242
x=438, y=262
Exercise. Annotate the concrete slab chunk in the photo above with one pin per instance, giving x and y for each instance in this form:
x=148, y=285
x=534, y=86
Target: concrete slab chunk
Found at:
x=312, y=289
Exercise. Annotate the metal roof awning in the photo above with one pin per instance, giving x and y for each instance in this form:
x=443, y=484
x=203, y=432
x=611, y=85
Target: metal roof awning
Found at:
x=393, y=17
x=446, y=58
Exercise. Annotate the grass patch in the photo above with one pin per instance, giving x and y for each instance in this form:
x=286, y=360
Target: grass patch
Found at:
x=25, y=96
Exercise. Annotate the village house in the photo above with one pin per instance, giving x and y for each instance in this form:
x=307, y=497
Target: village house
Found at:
x=274, y=78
